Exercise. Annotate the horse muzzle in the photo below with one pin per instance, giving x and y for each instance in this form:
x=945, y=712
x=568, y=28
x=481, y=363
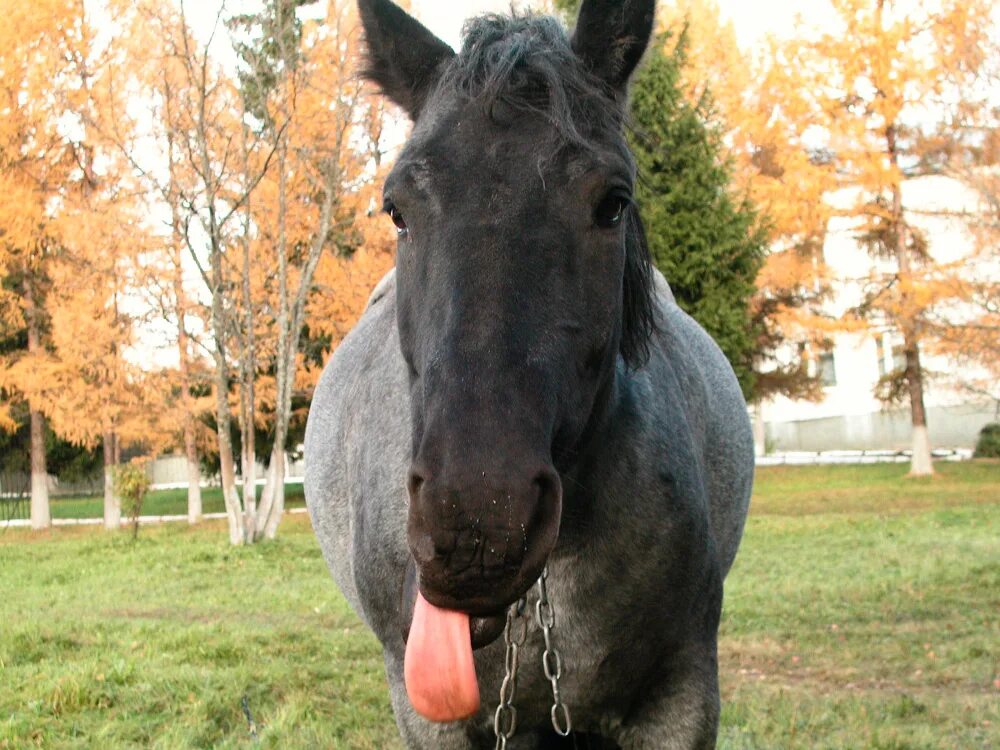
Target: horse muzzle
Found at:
x=482, y=630
x=478, y=544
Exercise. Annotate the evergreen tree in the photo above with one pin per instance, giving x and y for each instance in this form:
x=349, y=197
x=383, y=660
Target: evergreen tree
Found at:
x=708, y=243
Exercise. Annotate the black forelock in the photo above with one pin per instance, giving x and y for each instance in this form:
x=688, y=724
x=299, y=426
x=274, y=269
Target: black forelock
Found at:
x=525, y=62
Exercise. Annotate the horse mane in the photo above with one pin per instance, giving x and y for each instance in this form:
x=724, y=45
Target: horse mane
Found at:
x=524, y=63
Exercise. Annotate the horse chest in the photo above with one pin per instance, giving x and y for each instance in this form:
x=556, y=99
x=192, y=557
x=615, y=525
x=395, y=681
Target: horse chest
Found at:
x=602, y=655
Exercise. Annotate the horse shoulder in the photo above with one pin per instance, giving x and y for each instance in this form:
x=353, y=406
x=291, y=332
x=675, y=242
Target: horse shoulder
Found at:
x=714, y=410
x=356, y=449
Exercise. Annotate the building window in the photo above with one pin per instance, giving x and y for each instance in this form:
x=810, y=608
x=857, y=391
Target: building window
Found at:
x=827, y=370
x=891, y=357
x=820, y=366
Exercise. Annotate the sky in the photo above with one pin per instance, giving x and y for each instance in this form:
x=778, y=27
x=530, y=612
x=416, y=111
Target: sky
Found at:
x=752, y=19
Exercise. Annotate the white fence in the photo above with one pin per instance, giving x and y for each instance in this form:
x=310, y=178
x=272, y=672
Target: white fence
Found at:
x=170, y=472
x=814, y=458
x=143, y=520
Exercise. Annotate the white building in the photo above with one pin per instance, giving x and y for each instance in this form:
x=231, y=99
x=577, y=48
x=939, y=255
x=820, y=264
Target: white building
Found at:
x=849, y=417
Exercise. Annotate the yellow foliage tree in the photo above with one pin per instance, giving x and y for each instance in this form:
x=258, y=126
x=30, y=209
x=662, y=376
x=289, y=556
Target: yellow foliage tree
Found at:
x=867, y=85
x=300, y=85
x=79, y=377
x=37, y=42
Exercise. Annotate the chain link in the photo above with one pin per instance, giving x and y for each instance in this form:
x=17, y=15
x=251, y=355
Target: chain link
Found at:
x=545, y=613
x=505, y=718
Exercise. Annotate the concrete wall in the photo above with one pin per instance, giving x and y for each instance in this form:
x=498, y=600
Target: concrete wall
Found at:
x=950, y=427
x=171, y=471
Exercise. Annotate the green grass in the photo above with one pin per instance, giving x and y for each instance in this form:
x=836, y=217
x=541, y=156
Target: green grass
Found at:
x=108, y=644
x=863, y=612
x=873, y=488
x=156, y=503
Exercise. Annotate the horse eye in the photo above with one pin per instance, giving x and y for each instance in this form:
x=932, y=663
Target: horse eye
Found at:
x=397, y=218
x=610, y=210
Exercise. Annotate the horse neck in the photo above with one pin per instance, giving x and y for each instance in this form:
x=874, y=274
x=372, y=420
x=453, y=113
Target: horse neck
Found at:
x=591, y=444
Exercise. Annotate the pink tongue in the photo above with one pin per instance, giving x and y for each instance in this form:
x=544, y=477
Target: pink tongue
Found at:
x=439, y=672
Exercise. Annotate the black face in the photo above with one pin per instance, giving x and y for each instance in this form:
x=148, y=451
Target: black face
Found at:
x=512, y=271
x=509, y=284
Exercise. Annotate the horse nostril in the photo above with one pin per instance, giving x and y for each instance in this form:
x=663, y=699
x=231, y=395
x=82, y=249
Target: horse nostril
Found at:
x=548, y=499
x=547, y=485
x=414, y=482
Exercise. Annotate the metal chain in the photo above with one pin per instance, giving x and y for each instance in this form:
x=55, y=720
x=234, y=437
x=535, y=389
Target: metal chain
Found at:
x=551, y=660
x=505, y=718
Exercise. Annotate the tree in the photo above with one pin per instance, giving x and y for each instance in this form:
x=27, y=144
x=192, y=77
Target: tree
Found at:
x=966, y=147
x=706, y=224
x=197, y=124
x=264, y=175
x=256, y=180
x=79, y=377
x=707, y=242
x=162, y=67
x=37, y=42
x=270, y=84
x=967, y=332
x=302, y=76
x=867, y=82
x=783, y=179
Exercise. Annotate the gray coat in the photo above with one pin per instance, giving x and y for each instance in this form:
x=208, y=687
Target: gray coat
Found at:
x=648, y=533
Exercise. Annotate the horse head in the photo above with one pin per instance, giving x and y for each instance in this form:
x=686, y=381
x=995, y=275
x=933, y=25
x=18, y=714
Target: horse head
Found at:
x=523, y=282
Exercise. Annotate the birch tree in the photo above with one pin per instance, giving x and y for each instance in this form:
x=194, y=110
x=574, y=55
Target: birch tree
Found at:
x=303, y=75
x=196, y=122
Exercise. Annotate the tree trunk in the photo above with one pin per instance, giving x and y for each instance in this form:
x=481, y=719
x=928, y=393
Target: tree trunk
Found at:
x=267, y=494
x=187, y=403
x=222, y=416
x=921, y=464
x=193, y=473
x=249, y=481
x=285, y=369
x=226, y=470
x=276, y=498
x=290, y=317
x=112, y=503
x=41, y=515
x=920, y=461
x=248, y=397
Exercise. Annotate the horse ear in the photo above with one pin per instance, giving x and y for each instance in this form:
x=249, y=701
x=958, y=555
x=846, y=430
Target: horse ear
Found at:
x=403, y=57
x=610, y=37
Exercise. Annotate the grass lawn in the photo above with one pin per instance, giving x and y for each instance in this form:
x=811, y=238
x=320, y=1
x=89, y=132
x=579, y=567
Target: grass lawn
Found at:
x=863, y=612
x=156, y=503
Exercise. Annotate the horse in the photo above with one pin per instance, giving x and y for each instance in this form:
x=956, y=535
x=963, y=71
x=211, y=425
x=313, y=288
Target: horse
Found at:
x=523, y=396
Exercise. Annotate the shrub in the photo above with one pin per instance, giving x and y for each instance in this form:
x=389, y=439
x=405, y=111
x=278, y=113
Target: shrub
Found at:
x=988, y=445
x=132, y=484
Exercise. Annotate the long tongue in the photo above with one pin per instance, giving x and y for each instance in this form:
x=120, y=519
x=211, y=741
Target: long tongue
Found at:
x=439, y=672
